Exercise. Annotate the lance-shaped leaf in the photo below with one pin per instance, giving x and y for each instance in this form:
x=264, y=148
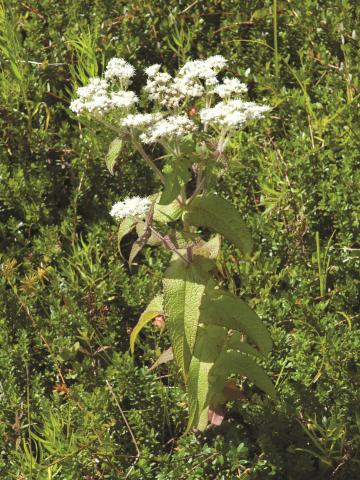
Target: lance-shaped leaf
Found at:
x=166, y=356
x=154, y=309
x=225, y=309
x=113, y=154
x=125, y=227
x=209, y=343
x=184, y=286
x=136, y=248
x=230, y=362
x=139, y=244
x=220, y=216
x=236, y=342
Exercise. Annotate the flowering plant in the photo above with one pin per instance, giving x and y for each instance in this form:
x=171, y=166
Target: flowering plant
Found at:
x=191, y=116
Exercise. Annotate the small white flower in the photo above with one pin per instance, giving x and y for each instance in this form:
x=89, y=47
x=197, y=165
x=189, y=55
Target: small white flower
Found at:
x=217, y=62
x=211, y=82
x=170, y=127
x=158, y=86
x=96, y=86
x=187, y=87
x=197, y=69
x=119, y=69
x=131, y=207
x=233, y=113
x=123, y=99
x=152, y=70
x=230, y=86
x=140, y=120
x=95, y=98
x=92, y=98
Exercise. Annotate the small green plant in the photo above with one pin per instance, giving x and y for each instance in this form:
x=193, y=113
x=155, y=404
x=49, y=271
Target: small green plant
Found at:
x=323, y=263
x=213, y=333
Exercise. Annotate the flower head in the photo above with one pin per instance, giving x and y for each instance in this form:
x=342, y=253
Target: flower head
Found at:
x=140, y=120
x=233, y=113
x=230, y=86
x=123, y=99
x=157, y=86
x=216, y=62
x=167, y=128
x=131, y=207
x=97, y=98
x=119, y=69
x=152, y=70
x=92, y=98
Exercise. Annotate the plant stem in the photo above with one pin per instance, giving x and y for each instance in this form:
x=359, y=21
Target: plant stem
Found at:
x=276, y=51
x=168, y=244
x=149, y=161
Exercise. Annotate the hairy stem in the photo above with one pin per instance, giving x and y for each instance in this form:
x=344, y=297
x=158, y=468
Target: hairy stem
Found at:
x=148, y=160
x=168, y=244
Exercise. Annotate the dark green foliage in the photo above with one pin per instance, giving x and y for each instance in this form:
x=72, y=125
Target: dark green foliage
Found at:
x=68, y=303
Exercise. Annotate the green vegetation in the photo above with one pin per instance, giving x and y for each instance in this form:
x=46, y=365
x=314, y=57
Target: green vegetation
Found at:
x=74, y=402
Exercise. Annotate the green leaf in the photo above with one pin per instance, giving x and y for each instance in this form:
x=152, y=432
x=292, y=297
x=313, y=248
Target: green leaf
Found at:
x=225, y=309
x=188, y=145
x=113, y=154
x=230, y=362
x=176, y=174
x=135, y=250
x=209, y=249
x=154, y=309
x=183, y=239
x=235, y=342
x=152, y=240
x=125, y=227
x=209, y=343
x=220, y=216
x=184, y=286
x=166, y=356
x=165, y=213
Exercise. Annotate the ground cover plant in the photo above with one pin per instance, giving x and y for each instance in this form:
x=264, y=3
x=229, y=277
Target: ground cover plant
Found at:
x=75, y=403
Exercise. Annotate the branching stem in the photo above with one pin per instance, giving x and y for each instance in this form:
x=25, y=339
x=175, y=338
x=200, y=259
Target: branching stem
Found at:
x=168, y=244
x=148, y=160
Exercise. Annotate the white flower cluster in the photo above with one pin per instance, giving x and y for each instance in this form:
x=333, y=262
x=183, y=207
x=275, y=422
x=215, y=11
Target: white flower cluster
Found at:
x=152, y=70
x=92, y=98
x=131, y=207
x=98, y=98
x=119, y=69
x=123, y=99
x=196, y=79
x=169, y=127
x=204, y=69
x=192, y=81
x=229, y=87
x=140, y=120
x=233, y=113
x=158, y=86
